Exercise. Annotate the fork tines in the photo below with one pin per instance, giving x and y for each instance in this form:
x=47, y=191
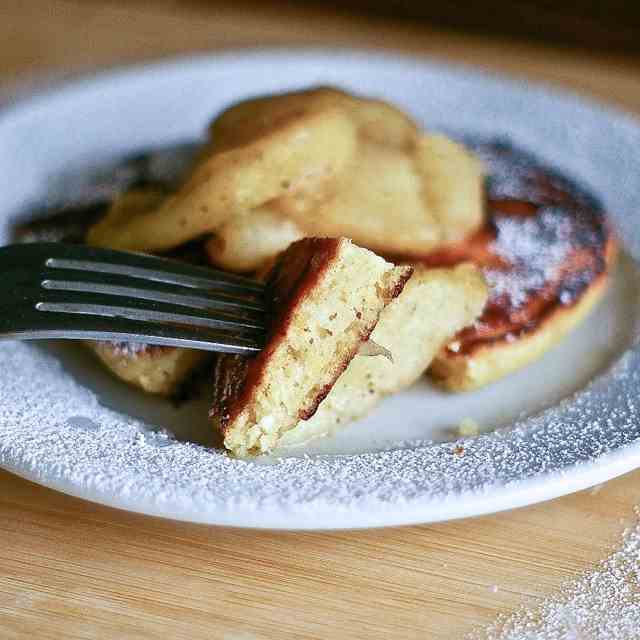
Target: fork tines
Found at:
x=78, y=291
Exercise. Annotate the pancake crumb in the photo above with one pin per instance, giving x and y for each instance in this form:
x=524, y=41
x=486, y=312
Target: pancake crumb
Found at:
x=468, y=427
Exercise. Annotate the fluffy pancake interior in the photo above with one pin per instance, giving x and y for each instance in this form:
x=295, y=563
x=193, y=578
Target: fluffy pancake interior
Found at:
x=312, y=342
x=433, y=306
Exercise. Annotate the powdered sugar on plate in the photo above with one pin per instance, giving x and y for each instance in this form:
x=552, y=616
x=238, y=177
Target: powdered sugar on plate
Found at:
x=55, y=430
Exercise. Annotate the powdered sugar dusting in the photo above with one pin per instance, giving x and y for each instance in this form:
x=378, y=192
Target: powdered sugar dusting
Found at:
x=536, y=247
x=44, y=435
x=517, y=176
x=603, y=604
x=128, y=349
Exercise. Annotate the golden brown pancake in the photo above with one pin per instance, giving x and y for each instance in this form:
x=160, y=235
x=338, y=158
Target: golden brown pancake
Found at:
x=259, y=150
x=327, y=295
x=397, y=190
x=327, y=163
x=546, y=252
x=153, y=368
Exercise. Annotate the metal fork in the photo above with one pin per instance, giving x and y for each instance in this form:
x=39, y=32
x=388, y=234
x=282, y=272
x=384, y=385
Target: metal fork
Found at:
x=54, y=290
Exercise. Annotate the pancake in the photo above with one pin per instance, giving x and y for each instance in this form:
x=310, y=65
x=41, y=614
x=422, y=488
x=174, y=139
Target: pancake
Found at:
x=329, y=163
x=327, y=295
x=261, y=149
x=387, y=199
x=546, y=252
x=153, y=368
x=160, y=370
x=433, y=306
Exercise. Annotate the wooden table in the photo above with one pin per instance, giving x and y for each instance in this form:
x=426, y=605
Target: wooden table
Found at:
x=71, y=569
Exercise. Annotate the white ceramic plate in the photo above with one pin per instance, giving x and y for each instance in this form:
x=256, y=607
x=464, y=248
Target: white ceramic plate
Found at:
x=566, y=422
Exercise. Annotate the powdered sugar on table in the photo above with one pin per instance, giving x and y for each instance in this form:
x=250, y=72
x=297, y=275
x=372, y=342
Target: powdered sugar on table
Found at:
x=603, y=604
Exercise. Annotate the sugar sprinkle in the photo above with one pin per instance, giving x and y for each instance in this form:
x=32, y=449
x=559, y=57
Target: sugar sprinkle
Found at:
x=535, y=247
x=128, y=349
x=602, y=604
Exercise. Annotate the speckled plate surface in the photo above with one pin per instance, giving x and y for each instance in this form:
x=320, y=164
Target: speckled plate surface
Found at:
x=565, y=423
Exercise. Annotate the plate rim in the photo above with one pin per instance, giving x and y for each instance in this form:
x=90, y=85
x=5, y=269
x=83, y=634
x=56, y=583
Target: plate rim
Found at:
x=77, y=80
x=505, y=498
x=544, y=486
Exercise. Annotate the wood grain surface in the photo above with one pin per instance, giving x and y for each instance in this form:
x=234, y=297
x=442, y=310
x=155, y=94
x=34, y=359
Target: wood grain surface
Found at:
x=71, y=569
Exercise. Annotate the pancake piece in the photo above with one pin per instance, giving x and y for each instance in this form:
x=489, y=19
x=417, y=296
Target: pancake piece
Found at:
x=327, y=297
x=546, y=253
x=153, y=368
x=247, y=243
x=260, y=151
x=388, y=199
x=433, y=306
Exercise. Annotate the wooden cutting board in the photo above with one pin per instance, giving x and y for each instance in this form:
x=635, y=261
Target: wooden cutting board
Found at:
x=71, y=569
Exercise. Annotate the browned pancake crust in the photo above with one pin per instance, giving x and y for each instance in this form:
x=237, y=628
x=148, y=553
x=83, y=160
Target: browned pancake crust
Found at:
x=293, y=276
x=563, y=219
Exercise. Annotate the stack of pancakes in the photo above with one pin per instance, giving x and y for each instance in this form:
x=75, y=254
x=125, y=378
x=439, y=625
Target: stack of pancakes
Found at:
x=498, y=258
